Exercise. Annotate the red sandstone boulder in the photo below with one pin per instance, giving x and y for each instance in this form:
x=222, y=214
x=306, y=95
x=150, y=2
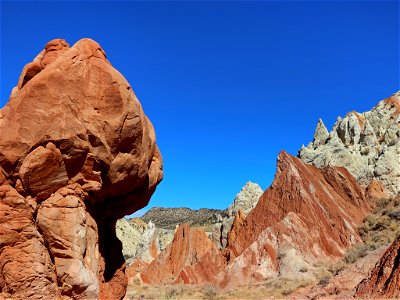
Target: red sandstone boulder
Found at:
x=76, y=154
x=384, y=279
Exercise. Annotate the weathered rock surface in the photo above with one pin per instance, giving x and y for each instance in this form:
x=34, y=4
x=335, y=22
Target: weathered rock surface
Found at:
x=384, y=279
x=187, y=259
x=77, y=153
x=145, y=244
x=342, y=285
x=367, y=144
x=130, y=232
x=244, y=201
x=140, y=239
x=306, y=216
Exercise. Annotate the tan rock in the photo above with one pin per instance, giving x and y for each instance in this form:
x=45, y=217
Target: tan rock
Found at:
x=135, y=267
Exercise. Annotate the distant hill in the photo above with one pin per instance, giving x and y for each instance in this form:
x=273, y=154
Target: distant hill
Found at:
x=169, y=218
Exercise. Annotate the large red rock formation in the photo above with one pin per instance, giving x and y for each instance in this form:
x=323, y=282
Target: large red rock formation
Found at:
x=384, y=279
x=191, y=257
x=307, y=215
x=327, y=199
x=76, y=154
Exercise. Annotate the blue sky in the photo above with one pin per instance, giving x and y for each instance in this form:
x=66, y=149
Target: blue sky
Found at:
x=227, y=85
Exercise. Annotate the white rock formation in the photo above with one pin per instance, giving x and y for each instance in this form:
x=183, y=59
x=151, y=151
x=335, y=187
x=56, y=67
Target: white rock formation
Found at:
x=130, y=234
x=137, y=238
x=246, y=200
x=367, y=144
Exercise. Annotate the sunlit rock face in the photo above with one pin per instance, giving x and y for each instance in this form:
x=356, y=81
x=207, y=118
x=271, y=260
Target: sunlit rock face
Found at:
x=141, y=241
x=367, y=144
x=76, y=154
x=245, y=201
x=307, y=215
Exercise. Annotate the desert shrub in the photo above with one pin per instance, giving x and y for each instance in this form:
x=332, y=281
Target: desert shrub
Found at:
x=303, y=270
x=382, y=226
x=394, y=215
x=173, y=291
x=324, y=281
x=355, y=253
x=287, y=292
x=279, y=287
x=210, y=292
x=381, y=205
x=350, y=257
x=335, y=268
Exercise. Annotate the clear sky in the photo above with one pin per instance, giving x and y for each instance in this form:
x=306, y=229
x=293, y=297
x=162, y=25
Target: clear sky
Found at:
x=227, y=85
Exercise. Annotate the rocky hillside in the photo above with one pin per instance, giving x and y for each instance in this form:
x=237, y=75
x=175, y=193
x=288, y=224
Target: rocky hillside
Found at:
x=140, y=240
x=278, y=237
x=341, y=279
x=244, y=201
x=71, y=165
x=310, y=214
x=143, y=241
x=367, y=144
x=169, y=218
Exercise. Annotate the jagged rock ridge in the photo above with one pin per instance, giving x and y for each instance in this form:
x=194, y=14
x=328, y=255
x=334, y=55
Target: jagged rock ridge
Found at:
x=367, y=144
x=77, y=153
x=307, y=215
x=143, y=241
x=244, y=201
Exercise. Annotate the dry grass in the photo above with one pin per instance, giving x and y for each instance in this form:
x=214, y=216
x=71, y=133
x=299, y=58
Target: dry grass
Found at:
x=380, y=228
x=178, y=292
x=383, y=225
x=271, y=289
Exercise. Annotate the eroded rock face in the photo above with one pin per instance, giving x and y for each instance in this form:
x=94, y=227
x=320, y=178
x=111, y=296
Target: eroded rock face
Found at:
x=384, y=279
x=367, y=144
x=77, y=153
x=307, y=215
x=244, y=201
x=141, y=241
x=191, y=257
